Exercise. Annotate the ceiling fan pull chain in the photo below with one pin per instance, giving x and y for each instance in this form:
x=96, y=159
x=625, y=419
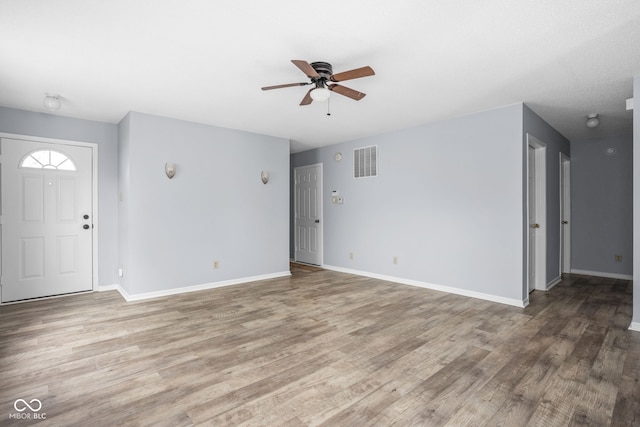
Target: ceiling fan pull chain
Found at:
x=328, y=107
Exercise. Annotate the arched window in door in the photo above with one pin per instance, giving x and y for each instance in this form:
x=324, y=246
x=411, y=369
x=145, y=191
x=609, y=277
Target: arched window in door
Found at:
x=48, y=159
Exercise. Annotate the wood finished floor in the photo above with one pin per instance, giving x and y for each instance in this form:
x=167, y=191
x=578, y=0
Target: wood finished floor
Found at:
x=325, y=348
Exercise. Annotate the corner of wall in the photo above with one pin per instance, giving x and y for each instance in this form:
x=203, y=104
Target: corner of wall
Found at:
x=636, y=201
x=124, y=137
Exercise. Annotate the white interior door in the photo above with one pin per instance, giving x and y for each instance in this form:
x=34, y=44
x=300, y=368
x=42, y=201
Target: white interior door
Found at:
x=565, y=215
x=533, y=226
x=308, y=214
x=47, y=219
x=537, y=213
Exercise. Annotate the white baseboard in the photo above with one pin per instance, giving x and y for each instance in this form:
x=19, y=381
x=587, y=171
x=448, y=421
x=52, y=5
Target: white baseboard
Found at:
x=634, y=326
x=104, y=288
x=448, y=289
x=175, y=291
x=554, y=282
x=601, y=274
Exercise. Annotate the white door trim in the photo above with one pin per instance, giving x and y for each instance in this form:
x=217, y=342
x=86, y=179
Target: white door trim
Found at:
x=540, y=213
x=565, y=214
x=94, y=190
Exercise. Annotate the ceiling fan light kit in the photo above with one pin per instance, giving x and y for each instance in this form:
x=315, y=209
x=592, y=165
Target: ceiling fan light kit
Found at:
x=320, y=94
x=320, y=75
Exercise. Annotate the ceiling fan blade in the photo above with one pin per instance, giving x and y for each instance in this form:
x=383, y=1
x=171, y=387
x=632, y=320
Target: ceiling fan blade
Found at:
x=286, y=85
x=307, y=98
x=350, y=93
x=306, y=68
x=353, y=74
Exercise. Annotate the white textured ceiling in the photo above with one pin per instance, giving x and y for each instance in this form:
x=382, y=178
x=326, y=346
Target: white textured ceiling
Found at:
x=205, y=61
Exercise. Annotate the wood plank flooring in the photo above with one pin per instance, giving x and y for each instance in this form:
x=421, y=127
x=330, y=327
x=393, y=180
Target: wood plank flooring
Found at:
x=324, y=348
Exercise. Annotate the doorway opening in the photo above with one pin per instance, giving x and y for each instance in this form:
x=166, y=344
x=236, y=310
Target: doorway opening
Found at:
x=565, y=214
x=536, y=214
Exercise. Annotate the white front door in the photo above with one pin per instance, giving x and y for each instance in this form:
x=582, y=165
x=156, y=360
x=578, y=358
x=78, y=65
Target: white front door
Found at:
x=308, y=214
x=47, y=219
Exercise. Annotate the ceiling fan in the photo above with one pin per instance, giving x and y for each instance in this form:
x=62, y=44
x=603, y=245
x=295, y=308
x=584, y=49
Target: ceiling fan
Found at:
x=321, y=74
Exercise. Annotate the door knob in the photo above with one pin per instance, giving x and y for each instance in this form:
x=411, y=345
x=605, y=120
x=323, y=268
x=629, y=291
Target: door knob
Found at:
x=536, y=225
x=86, y=226
x=317, y=221
x=565, y=222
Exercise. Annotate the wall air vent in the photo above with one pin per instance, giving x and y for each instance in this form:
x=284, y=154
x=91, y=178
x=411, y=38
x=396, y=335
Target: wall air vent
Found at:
x=365, y=162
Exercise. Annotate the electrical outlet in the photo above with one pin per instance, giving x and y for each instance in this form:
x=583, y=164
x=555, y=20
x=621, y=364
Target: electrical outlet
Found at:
x=618, y=258
x=395, y=259
x=216, y=265
x=120, y=272
x=350, y=255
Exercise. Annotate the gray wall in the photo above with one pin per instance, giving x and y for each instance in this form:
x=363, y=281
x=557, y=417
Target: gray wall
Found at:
x=215, y=208
x=447, y=202
x=105, y=136
x=555, y=144
x=602, y=205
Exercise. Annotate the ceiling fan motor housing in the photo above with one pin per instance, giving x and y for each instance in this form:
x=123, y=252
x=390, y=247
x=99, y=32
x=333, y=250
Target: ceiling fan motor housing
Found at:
x=324, y=69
